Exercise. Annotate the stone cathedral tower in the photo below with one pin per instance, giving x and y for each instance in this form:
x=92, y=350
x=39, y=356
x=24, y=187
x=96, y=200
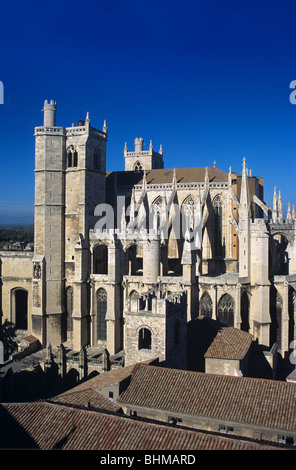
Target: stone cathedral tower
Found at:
x=70, y=167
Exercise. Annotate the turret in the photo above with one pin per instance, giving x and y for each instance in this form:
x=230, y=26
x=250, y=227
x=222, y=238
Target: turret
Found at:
x=139, y=142
x=141, y=159
x=49, y=110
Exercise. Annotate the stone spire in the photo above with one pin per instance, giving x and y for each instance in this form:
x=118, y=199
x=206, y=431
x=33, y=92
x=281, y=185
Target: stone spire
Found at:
x=244, y=225
x=244, y=195
x=275, y=206
x=207, y=178
x=293, y=212
x=280, y=207
x=289, y=215
x=87, y=122
x=229, y=177
x=174, y=182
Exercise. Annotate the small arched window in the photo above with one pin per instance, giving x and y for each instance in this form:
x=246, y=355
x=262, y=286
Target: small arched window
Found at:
x=144, y=339
x=138, y=166
x=72, y=157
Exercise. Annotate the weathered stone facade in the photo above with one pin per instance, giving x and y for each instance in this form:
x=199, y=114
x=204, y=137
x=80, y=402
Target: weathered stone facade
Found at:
x=133, y=279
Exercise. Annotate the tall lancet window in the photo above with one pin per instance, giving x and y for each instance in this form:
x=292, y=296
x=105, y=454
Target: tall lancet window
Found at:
x=69, y=308
x=218, y=226
x=101, y=314
x=206, y=305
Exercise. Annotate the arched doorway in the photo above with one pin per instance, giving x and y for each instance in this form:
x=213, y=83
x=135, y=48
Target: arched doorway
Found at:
x=226, y=310
x=19, y=314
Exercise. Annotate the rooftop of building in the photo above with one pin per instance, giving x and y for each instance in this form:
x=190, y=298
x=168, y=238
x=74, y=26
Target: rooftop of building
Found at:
x=85, y=398
x=253, y=401
x=165, y=176
x=48, y=426
x=228, y=343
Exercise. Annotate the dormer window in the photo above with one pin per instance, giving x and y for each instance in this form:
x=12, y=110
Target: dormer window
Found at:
x=72, y=158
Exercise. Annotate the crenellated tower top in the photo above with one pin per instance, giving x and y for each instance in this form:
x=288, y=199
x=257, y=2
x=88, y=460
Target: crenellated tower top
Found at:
x=49, y=110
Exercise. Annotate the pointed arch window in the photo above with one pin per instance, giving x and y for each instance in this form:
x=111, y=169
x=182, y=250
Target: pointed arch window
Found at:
x=158, y=212
x=138, y=166
x=72, y=157
x=101, y=314
x=69, y=308
x=217, y=206
x=226, y=310
x=206, y=305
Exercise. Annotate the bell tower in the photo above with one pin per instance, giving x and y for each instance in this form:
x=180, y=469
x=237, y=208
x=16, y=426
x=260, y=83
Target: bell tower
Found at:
x=85, y=188
x=70, y=175
x=49, y=215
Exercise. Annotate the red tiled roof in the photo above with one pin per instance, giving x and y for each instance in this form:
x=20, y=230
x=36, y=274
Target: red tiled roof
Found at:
x=48, y=427
x=165, y=176
x=79, y=398
x=253, y=401
x=230, y=343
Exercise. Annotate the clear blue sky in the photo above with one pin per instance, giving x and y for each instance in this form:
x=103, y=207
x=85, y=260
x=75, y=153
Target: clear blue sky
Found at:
x=209, y=80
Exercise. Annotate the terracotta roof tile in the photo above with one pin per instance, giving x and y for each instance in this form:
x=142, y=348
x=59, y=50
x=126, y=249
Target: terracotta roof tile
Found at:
x=79, y=398
x=48, y=427
x=230, y=343
x=165, y=176
x=240, y=399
